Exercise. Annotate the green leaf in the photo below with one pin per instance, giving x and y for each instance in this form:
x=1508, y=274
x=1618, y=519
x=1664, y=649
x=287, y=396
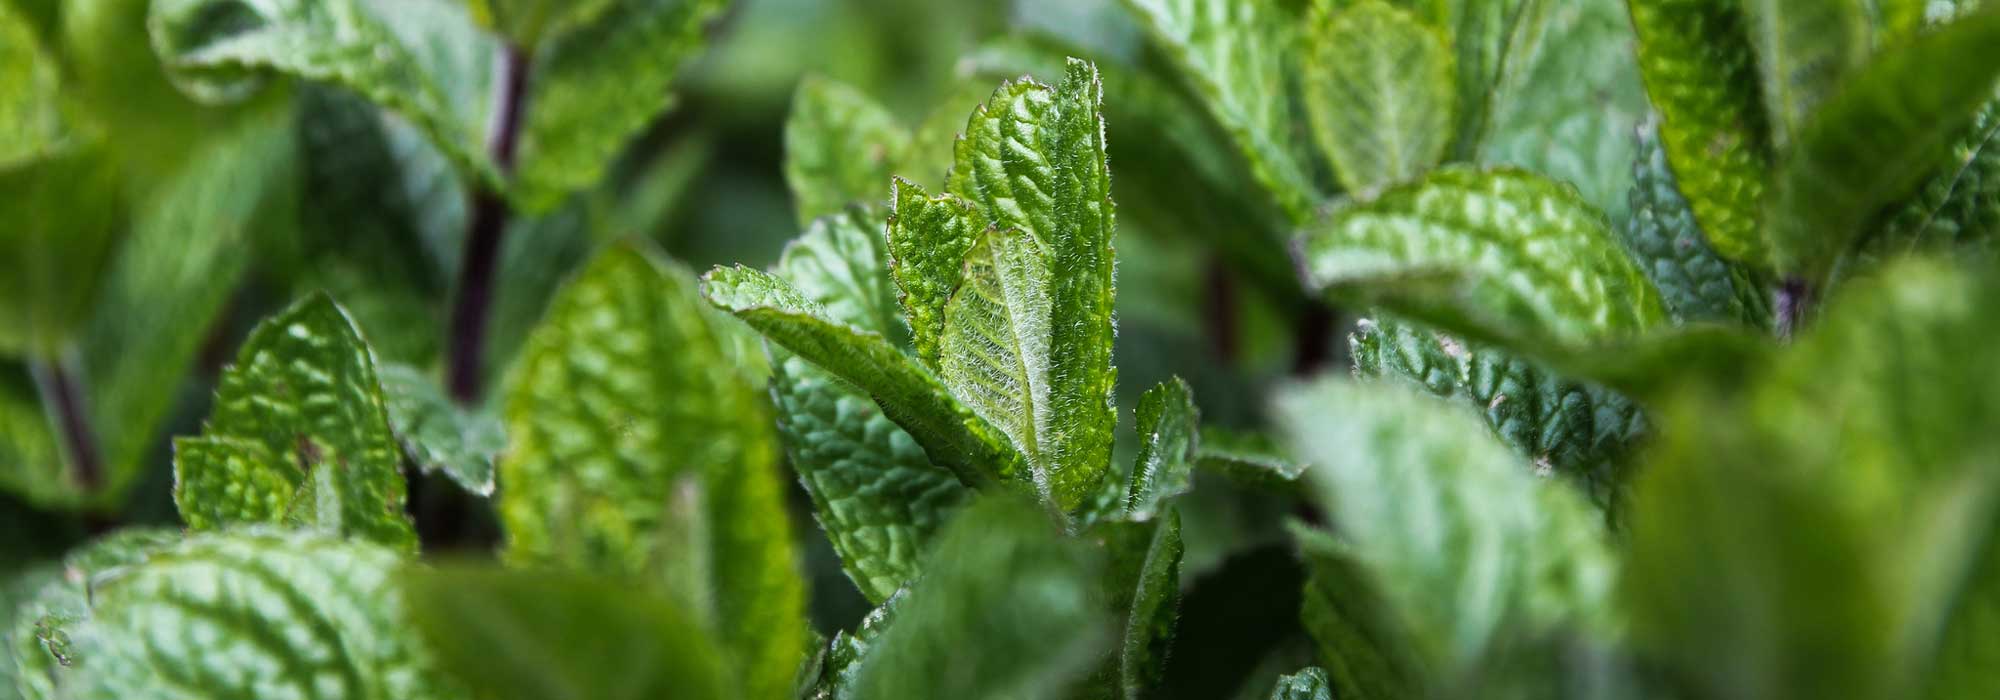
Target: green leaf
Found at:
x=1473, y=554
x=1055, y=187
x=1805, y=48
x=951, y=434
x=1168, y=425
x=928, y=239
x=1354, y=626
x=1559, y=424
x=1843, y=531
x=528, y=22
x=1231, y=55
x=1006, y=609
x=189, y=245
x=423, y=59
x=299, y=435
x=1142, y=579
x=437, y=434
x=840, y=147
x=1699, y=68
x=878, y=497
x=257, y=614
x=1308, y=684
x=1873, y=142
x=1695, y=284
x=994, y=352
x=64, y=217
x=831, y=675
x=1958, y=205
x=31, y=119
x=518, y=635
x=1380, y=90
x=41, y=638
x=1500, y=253
x=593, y=89
x=1494, y=39
x=1248, y=458
x=638, y=450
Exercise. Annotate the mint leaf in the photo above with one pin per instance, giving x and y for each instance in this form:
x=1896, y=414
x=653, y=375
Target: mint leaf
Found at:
x=31, y=119
x=422, y=59
x=1056, y=189
x=1380, y=90
x=1494, y=39
x=1695, y=284
x=1499, y=253
x=1804, y=50
x=994, y=351
x=1141, y=581
x=1168, y=425
x=65, y=219
x=299, y=435
x=592, y=89
x=1356, y=628
x=1308, y=684
x=438, y=435
x=878, y=497
x=1231, y=55
x=253, y=614
x=536, y=635
x=1247, y=458
x=1870, y=144
x=42, y=635
x=1958, y=205
x=830, y=675
x=840, y=147
x=951, y=434
x=1699, y=68
x=1560, y=425
x=928, y=239
x=623, y=404
x=1005, y=609
x=528, y=22
x=1472, y=552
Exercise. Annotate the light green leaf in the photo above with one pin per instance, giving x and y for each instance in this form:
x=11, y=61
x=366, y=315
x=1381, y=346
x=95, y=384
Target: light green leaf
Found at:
x=1699, y=68
x=1168, y=424
x=1494, y=40
x=928, y=239
x=1873, y=142
x=1380, y=89
x=48, y=661
x=1501, y=253
x=256, y=614
x=31, y=119
x=299, y=435
x=1805, y=48
x=1231, y=54
x=188, y=246
x=438, y=435
x=1572, y=112
x=591, y=90
x=1559, y=425
x=951, y=434
x=878, y=497
x=1472, y=553
x=1141, y=581
x=994, y=352
x=638, y=450
x=1958, y=205
x=63, y=217
x=529, y=22
x=968, y=632
x=32, y=465
x=1695, y=284
x=840, y=147
x=1033, y=158
x=518, y=635
x=1842, y=530
x=423, y=59
x=1308, y=684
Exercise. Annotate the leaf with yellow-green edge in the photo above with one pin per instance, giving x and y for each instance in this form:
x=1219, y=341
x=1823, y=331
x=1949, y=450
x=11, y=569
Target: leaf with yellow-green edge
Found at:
x=1699, y=67
x=1033, y=158
x=1379, y=88
x=1231, y=54
x=928, y=239
x=535, y=635
x=1471, y=553
x=250, y=614
x=877, y=495
x=1805, y=49
x=623, y=403
x=840, y=147
x=1874, y=142
x=909, y=394
x=31, y=119
x=592, y=89
x=423, y=59
x=1843, y=531
x=299, y=436
x=1495, y=254
x=965, y=632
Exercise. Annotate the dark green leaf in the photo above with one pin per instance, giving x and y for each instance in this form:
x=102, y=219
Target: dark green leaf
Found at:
x=1695, y=284
x=1168, y=425
x=439, y=435
x=1309, y=684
